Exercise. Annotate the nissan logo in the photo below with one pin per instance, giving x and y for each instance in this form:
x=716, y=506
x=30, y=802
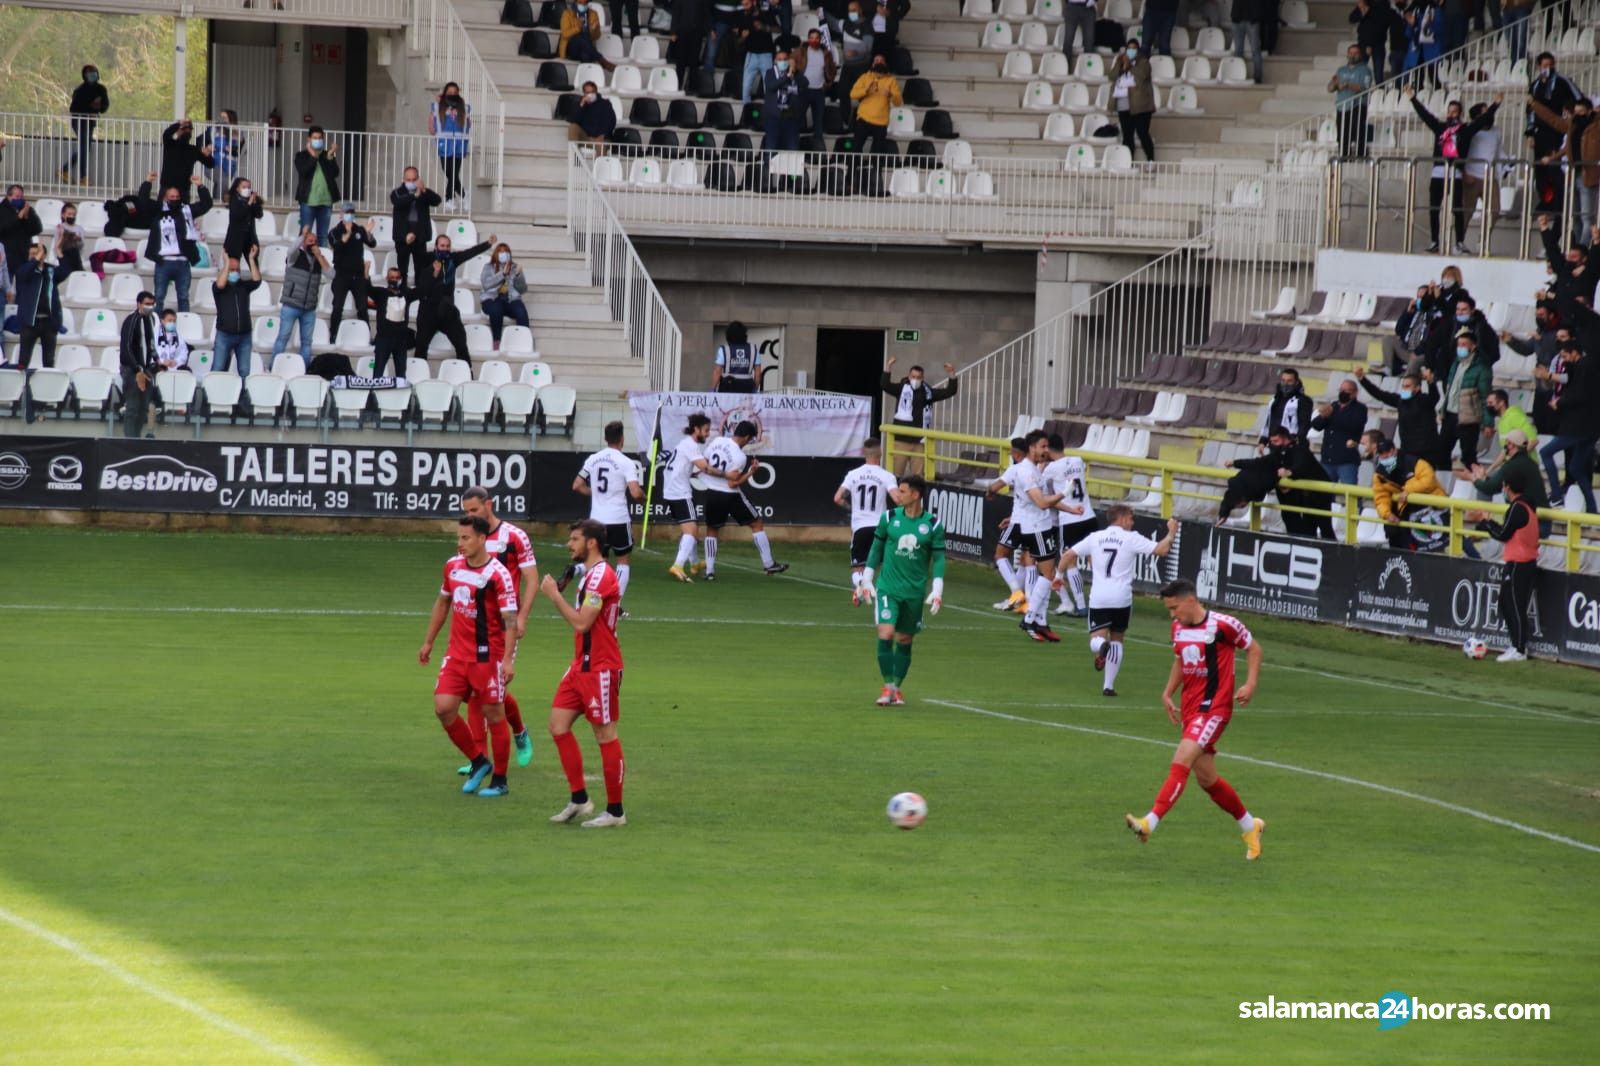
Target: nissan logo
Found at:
x=13, y=470
x=66, y=468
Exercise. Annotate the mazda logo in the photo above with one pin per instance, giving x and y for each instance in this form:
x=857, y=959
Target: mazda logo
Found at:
x=13, y=470
x=66, y=468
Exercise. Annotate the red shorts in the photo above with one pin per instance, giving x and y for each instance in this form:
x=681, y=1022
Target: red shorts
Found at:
x=596, y=693
x=481, y=682
x=1205, y=729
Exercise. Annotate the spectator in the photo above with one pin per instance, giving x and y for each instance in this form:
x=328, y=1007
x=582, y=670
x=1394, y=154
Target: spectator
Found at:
x=1542, y=344
x=1516, y=23
x=580, y=29
x=413, y=224
x=1485, y=12
x=226, y=144
x=350, y=267
x=1342, y=423
x=780, y=13
x=394, y=335
x=886, y=26
x=1349, y=84
x=244, y=210
x=1396, y=477
x=1424, y=37
x=1581, y=147
x=1373, y=20
x=179, y=155
x=1558, y=94
x=1576, y=425
x=502, y=288
x=68, y=245
x=690, y=20
x=1160, y=16
x=724, y=16
x=1505, y=417
x=631, y=9
x=758, y=52
x=816, y=72
x=1285, y=457
x=1519, y=532
x=1399, y=38
x=1514, y=457
x=1418, y=425
x=19, y=225
x=781, y=115
x=38, y=313
x=174, y=241
x=1438, y=352
x=1467, y=383
x=1453, y=24
x=137, y=351
x=1574, y=273
x=1247, y=17
x=1134, y=96
x=1451, y=140
x=1289, y=407
x=737, y=363
x=596, y=120
x=1482, y=153
x=913, y=403
x=302, y=287
x=172, y=351
x=878, y=93
x=316, y=182
x=855, y=41
x=436, y=290
x=89, y=101
x=231, y=293
x=451, y=125
x=1079, y=15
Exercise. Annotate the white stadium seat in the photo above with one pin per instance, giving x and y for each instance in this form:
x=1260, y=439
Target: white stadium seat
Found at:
x=903, y=183
x=70, y=357
x=1059, y=128
x=1053, y=66
x=536, y=374
x=902, y=122
x=1017, y=66
x=1080, y=157
x=1091, y=69
x=455, y=372
x=307, y=395
x=940, y=185
x=972, y=9
x=1117, y=157
x=434, y=400
x=557, y=402
x=1197, y=71
x=1038, y=96
x=495, y=371
x=646, y=173
x=608, y=171
x=516, y=401
x=518, y=340
x=1034, y=38
x=997, y=35
x=957, y=155
x=83, y=288
x=476, y=401
x=1163, y=70
x=979, y=185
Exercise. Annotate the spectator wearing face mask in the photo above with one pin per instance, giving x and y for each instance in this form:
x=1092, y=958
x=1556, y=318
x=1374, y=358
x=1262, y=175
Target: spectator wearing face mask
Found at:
x=1134, y=96
x=231, y=293
x=783, y=113
x=1418, y=424
x=816, y=72
x=502, y=287
x=1519, y=532
x=580, y=29
x=316, y=182
x=878, y=93
x=38, y=312
x=89, y=101
x=19, y=225
x=68, y=243
x=1574, y=272
x=436, y=286
x=1452, y=139
x=137, y=351
x=1285, y=457
x=172, y=351
x=302, y=288
x=1467, y=383
x=413, y=222
x=1341, y=424
x=1482, y=154
x=855, y=42
x=350, y=241
x=758, y=51
x=1373, y=20
x=244, y=210
x=179, y=154
x=596, y=119
x=1515, y=458
x=1289, y=407
x=1580, y=146
x=174, y=241
x=1438, y=352
x=1349, y=85
x=913, y=400
x=1396, y=477
x=1558, y=95
x=1577, y=409
x=393, y=338
x=451, y=125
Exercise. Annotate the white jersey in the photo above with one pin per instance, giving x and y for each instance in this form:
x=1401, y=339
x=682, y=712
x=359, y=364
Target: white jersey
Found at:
x=725, y=457
x=680, y=468
x=608, y=472
x=1111, y=553
x=869, y=487
x=1066, y=476
x=1021, y=477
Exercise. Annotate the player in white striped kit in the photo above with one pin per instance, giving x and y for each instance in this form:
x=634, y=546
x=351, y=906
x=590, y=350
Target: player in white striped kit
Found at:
x=728, y=468
x=1065, y=474
x=608, y=478
x=868, y=491
x=688, y=459
x=1112, y=553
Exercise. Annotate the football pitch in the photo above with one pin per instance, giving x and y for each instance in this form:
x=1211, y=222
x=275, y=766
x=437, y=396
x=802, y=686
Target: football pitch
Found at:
x=233, y=832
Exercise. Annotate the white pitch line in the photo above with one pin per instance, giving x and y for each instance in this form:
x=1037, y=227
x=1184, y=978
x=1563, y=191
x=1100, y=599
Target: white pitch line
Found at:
x=1418, y=797
x=155, y=991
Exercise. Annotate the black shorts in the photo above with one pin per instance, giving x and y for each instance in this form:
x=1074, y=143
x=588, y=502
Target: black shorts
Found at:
x=619, y=538
x=1073, y=532
x=1012, y=538
x=721, y=506
x=861, y=545
x=1112, y=618
x=1043, y=544
x=682, y=511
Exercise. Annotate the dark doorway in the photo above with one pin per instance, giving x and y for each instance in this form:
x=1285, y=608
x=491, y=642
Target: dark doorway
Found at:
x=851, y=360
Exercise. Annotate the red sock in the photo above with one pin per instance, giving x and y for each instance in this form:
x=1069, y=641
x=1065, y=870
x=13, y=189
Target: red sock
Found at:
x=461, y=737
x=477, y=724
x=514, y=715
x=611, y=758
x=1171, y=790
x=500, y=738
x=1223, y=795
x=571, y=760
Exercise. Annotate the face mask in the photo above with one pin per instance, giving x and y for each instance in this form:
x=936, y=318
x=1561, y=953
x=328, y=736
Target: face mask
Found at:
x=17, y=201
x=1451, y=283
x=504, y=257
x=172, y=205
x=394, y=283
x=440, y=255
x=350, y=218
x=70, y=221
x=233, y=277
x=1287, y=390
x=91, y=77
x=855, y=16
x=170, y=327
x=916, y=383
x=583, y=7
x=1406, y=394
x=588, y=98
x=147, y=309
x=782, y=65
x=244, y=191
x=1386, y=464
x=316, y=143
x=411, y=186
x=1462, y=352
x=1463, y=319
x=1346, y=397
x=1133, y=53
x=1545, y=72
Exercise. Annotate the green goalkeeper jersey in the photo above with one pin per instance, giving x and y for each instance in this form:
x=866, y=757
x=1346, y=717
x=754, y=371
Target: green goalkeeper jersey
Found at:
x=906, y=552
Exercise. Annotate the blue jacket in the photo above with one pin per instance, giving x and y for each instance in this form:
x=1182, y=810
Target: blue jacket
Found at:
x=1346, y=423
x=30, y=289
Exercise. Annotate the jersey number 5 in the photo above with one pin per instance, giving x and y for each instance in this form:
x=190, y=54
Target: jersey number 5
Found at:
x=600, y=483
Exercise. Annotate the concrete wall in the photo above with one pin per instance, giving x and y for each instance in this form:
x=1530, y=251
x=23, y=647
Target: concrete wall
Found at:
x=966, y=303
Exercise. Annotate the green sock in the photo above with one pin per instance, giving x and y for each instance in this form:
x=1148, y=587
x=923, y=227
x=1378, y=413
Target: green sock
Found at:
x=902, y=662
x=886, y=660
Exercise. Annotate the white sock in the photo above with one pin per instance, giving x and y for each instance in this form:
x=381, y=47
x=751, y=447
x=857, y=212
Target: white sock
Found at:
x=694, y=545
x=1008, y=570
x=763, y=546
x=1152, y=820
x=1113, y=662
x=1096, y=643
x=623, y=570
x=1075, y=583
x=711, y=554
x=1026, y=574
x=1039, y=601
x=1247, y=824
x=685, y=549
x=855, y=579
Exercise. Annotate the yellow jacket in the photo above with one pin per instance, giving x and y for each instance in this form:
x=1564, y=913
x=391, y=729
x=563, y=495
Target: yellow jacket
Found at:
x=570, y=28
x=877, y=93
x=1419, y=480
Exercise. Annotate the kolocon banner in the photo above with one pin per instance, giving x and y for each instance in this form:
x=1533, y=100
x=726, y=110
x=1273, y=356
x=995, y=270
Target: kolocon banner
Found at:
x=796, y=425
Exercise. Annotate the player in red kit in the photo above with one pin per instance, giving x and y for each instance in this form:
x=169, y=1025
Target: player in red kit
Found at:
x=479, y=596
x=511, y=546
x=1203, y=647
x=592, y=685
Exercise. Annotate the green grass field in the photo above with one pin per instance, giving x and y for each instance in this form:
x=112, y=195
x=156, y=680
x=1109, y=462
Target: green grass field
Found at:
x=232, y=832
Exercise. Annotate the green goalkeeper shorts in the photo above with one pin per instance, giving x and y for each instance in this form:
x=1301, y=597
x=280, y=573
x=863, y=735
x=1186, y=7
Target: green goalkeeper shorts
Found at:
x=904, y=615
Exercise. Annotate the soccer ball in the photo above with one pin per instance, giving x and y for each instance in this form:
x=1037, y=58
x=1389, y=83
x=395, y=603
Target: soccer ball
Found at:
x=1473, y=648
x=907, y=810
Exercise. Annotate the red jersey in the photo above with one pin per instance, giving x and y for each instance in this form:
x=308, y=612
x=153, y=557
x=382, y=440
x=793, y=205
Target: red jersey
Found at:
x=478, y=596
x=598, y=649
x=1205, y=654
x=512, y=547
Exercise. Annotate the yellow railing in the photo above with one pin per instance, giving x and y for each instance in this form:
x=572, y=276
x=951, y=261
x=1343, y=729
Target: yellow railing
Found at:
x=1113, y=475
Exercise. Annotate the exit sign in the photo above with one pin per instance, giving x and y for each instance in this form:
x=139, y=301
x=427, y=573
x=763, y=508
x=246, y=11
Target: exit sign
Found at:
x=907, y=336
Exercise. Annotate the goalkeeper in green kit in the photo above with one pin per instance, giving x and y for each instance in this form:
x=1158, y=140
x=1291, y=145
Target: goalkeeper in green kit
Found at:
x=907, y=551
